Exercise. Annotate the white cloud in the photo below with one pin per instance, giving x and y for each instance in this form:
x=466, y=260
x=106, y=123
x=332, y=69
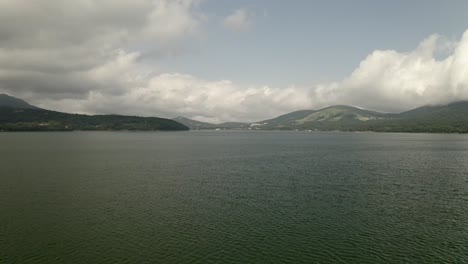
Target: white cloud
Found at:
x=66, y=47
x=239, y=20
x=170, y=95
x=87, y=62
x=98, y=23
x=388, y=80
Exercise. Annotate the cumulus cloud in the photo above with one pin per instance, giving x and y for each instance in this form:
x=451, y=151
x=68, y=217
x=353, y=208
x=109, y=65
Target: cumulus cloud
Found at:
x=239, y=20
x=67, y=49
x=94, y=23
x=92, y=61
x=175, y=94
x=393, y=81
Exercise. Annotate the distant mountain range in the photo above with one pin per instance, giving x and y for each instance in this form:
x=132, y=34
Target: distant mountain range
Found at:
x=18, y=115
x=450, y=118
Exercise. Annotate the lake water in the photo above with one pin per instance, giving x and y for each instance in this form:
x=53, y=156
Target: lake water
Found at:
x=233, y=197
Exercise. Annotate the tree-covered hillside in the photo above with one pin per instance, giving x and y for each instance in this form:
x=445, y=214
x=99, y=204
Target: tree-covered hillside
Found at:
x=18, y=115
x=12, y=119
x=451, y=118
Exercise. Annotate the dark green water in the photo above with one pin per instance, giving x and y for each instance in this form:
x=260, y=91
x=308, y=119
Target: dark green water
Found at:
x=233, y=197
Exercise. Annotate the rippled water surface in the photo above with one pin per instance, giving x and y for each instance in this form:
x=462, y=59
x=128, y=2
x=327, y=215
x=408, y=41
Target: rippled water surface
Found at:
x=233, y=197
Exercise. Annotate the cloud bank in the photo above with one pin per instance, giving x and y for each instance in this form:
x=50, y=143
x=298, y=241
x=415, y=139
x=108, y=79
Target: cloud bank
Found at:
x=92, y=61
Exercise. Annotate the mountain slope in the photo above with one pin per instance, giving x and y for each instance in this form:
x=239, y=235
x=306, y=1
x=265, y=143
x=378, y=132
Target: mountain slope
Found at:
x=284, y=120
x=12, y=102
x=339, y=113
x=451, y=118
x=455, y=110
x=44, y=120
x=328, y=118
x=20, y=116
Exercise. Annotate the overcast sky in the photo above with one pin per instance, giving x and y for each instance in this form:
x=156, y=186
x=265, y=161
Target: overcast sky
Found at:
x=224, y=60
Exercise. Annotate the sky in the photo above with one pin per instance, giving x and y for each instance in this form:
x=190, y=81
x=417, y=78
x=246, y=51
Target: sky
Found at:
x=224, y=60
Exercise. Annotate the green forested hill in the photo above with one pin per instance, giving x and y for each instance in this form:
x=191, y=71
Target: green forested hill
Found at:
x=285, y=120
x=17, y=115
x=12, y=119
x=451, y=118
x=334, y=117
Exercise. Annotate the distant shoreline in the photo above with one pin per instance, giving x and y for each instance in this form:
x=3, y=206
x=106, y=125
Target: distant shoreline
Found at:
x=237, y=131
